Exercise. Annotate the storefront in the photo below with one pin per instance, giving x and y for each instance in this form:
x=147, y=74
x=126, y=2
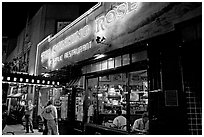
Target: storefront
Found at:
x=128, y=56
x=18, y=89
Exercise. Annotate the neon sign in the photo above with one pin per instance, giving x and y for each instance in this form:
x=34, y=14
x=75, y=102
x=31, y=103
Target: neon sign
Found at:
x=72, y=39
x=66, y=43
x=53, y=55
x=115, y=14
x=78, y=50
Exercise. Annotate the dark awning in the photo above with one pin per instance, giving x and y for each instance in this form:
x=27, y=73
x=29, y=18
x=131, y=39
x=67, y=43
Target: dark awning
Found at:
x=73, y=82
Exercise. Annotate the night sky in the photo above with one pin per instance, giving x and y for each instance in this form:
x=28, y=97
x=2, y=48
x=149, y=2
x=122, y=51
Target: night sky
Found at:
x=15, y=14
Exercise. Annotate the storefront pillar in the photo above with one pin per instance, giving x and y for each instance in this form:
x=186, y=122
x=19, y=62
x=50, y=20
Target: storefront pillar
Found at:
x=35, y=90
x=128, y=103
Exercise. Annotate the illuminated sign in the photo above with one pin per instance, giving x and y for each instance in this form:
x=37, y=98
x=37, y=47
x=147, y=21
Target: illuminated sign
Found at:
x=72, y=39
x=66, y=43
x=115, y=14
x=78, y=50
x=64, y=48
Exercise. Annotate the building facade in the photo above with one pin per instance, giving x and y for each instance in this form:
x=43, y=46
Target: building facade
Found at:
x=136, y=56
x=49, y=19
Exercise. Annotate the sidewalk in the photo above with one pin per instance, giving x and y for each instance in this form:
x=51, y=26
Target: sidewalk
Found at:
x=18, y=130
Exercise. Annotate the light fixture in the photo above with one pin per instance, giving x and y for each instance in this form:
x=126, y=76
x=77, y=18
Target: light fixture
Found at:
x=58, y=83
x=53, y=82
x=26, y=80
x=38, y=81
x=14, y=79
x=43, y=81
x=32, y=80
x=48, y=82
x=8, y=78
x=21, y=79
x=98, y=56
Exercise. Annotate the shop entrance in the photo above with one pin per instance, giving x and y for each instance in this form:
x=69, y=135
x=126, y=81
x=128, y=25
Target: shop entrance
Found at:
x=106, y=94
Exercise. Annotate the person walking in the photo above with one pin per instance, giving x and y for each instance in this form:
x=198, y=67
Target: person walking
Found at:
x=45, y=129
x=28, y=116
x=50, y=114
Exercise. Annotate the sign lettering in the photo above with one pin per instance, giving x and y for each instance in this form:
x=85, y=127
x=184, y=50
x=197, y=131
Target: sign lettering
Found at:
x=115, y=14
x=53, y=55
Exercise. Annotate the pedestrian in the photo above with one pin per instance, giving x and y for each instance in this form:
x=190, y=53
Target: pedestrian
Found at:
x=50, y=114
x=45, y=129
x=141, y=125
x=28, y=116
x=120, y=121
x=22, y=113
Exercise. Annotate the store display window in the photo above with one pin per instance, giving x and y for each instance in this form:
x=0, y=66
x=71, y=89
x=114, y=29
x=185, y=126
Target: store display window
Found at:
x=126, y=59
x=139, y=56
x=118, y=61
x=109, y=93
x=79, y=105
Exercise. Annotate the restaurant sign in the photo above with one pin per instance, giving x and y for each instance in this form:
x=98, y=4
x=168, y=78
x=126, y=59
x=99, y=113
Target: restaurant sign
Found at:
x=80, y=38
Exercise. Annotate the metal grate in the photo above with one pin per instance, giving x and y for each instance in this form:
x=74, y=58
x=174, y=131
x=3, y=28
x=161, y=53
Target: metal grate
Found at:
x=194, y=113
x=171, y=98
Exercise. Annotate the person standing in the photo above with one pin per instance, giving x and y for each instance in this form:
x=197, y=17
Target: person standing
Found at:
x=50, y=114
x=28, y=116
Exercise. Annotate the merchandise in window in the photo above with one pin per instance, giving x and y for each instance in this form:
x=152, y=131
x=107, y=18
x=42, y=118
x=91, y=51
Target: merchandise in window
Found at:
x=108, y=95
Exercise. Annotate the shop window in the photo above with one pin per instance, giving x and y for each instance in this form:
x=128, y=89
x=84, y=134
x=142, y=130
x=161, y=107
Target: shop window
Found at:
x=104, y=65
x=138, y=92
x=98, y=66
x=109, y=93
x=93, y=67
x=79, y=105
x=139, y=56
x=110, y=63
x=118, y=61
x=126, y=59
x=88, y=68
x=91, y=101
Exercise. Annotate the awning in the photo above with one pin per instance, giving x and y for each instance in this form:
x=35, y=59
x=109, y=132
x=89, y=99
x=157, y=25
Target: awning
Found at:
x=18, y=95
x=73, y=82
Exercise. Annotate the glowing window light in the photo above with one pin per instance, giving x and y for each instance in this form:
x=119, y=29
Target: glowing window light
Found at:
x=38, y=81
x=2, y=77
x=8, y=78
x=32, y=81
x=53, y=82
x=14, y=79
x=43, y=81
x=48, y=82
x=58, y=83
x=26, y=80
x=21, y=79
